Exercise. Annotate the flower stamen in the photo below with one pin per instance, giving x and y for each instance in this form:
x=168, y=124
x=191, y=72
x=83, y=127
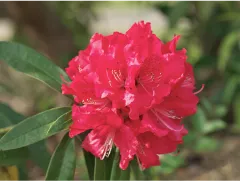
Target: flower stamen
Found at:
x=108, y=145
x=200, y=90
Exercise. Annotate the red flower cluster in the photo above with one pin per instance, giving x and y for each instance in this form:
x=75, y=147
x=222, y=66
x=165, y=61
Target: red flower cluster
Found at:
x=135, y=91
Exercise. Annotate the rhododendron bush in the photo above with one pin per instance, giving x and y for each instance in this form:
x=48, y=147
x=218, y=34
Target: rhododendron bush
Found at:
x=130, y=91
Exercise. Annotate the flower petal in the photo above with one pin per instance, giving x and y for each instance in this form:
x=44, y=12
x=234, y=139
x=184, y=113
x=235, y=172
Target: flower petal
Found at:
x=127, y=144
x=99, y=141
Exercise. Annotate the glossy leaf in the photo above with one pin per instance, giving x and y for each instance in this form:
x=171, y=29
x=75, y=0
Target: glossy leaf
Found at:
x=13, y=157
x=36, y=128
x=31, y=63
x=63, y=162
x=37, y=151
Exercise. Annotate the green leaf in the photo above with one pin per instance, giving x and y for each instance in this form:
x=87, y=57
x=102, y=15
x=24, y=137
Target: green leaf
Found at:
x=37, y=151
x=214, y=125
x=31, y=63
x=88, y=157
x=220, y=110
x=90, y=163
x=23, y=172
x=206, y=144
x=236, y=112
x=36, y=128
x=8, y=116
x=190, y=138
x=230, y=89
x=39, y=154
x=125, y=174
x=116, y=171
x=108, y=164
x=225, y=49
x=99, y=170
x=13, y=157
x=135, y=169
x=205, y=9
x=199, y=120
x=206, y=104
x=170, y=163
x=63, y=162
x=179, y=10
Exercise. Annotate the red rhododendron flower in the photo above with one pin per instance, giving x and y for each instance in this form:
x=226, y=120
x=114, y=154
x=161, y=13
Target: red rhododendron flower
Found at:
x=135, y=91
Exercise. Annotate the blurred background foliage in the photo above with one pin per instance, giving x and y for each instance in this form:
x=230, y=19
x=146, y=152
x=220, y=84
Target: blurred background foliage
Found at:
x=210, y=31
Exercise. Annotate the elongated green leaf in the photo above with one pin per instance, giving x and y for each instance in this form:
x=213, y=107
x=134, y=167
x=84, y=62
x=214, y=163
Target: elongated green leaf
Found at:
x=63, y=162
x=179, y=10
x=116, y=171
x=125, y=174
x=32, y=63
x=36, y=128
x=88, y=157
x=9, y=117
x=205, y=9
x=39, y=154
x=23, y=171
x=236, y=112
x=90, y=163
x=37, y=151
x=135, y=169
x=99, y=170
x=108, y=164
x=13, y=157
x=199, y=120
x=230, y=89
x=225, y=49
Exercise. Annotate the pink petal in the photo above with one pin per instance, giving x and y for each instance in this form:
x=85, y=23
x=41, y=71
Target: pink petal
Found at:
x=127, y=144
x=99, y=141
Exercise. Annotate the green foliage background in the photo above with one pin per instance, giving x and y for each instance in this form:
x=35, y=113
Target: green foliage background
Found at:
x=212, y=40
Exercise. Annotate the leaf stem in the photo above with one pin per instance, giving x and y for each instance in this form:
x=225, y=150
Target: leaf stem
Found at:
x=6, y=129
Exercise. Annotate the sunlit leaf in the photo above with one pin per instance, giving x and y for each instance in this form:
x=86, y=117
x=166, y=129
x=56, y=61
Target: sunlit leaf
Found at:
x=36, y=128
